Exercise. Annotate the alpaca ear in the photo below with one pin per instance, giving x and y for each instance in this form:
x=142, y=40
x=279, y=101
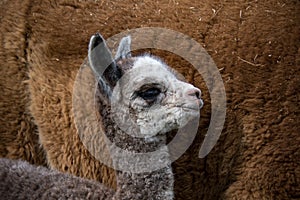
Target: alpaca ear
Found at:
x=124, y=48
x=101, y=60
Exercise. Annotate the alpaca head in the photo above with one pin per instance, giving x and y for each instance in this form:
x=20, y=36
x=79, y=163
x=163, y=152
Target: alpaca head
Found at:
x=147, y=97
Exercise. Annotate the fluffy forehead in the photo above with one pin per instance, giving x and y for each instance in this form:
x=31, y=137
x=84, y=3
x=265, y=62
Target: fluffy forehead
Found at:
x=148, y=68
x=149, y=63
x=147, y=72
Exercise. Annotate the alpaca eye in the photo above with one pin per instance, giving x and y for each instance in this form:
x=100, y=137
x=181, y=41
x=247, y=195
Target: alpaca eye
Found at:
x=149, y=95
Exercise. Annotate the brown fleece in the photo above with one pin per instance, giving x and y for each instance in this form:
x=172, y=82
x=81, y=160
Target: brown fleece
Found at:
x=18, y=132
x=255, y=44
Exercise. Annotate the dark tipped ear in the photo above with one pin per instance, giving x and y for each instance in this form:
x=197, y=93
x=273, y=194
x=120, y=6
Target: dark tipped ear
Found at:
x=124, y=48
x=101, y=60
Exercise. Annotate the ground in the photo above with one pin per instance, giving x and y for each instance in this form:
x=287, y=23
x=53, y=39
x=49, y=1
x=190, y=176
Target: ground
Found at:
x=255, y=45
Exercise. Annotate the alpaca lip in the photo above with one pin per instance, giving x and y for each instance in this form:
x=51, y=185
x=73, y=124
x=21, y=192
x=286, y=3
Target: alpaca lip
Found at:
x=189, y=108
x=195, y=105
x=201, y=103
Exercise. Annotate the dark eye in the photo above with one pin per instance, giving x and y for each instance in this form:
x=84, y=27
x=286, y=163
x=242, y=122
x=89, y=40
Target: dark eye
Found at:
x=149, y=95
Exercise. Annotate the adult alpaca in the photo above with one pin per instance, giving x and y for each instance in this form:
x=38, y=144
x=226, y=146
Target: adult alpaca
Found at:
x=159, y=102
x=257, y=155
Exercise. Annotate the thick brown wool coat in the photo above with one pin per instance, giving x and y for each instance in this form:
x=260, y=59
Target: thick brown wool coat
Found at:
x=254, y=44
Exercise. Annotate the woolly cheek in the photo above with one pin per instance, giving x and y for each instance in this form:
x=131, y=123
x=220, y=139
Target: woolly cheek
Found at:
x=161, y=121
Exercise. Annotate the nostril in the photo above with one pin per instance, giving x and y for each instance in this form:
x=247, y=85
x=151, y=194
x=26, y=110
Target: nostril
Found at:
x=195, y=93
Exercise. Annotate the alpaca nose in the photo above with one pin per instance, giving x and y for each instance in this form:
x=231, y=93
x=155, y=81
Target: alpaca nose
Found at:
x=195, y=94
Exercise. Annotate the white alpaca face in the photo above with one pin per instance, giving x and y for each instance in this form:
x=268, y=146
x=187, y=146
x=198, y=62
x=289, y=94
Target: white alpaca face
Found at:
x=154, y=100
x=147, y=98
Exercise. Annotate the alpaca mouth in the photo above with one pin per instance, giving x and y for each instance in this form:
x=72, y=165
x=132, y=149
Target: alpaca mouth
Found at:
x=201, y=103
x=190, y=109
x=195, y=105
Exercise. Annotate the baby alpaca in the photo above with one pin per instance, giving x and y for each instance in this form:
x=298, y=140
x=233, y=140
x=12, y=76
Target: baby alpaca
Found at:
x=144, y=100
x=140, y=101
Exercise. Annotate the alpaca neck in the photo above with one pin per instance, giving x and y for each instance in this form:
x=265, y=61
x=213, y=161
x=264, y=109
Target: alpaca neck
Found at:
x=137, y=181
x=151, y=185
x=147, y=183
